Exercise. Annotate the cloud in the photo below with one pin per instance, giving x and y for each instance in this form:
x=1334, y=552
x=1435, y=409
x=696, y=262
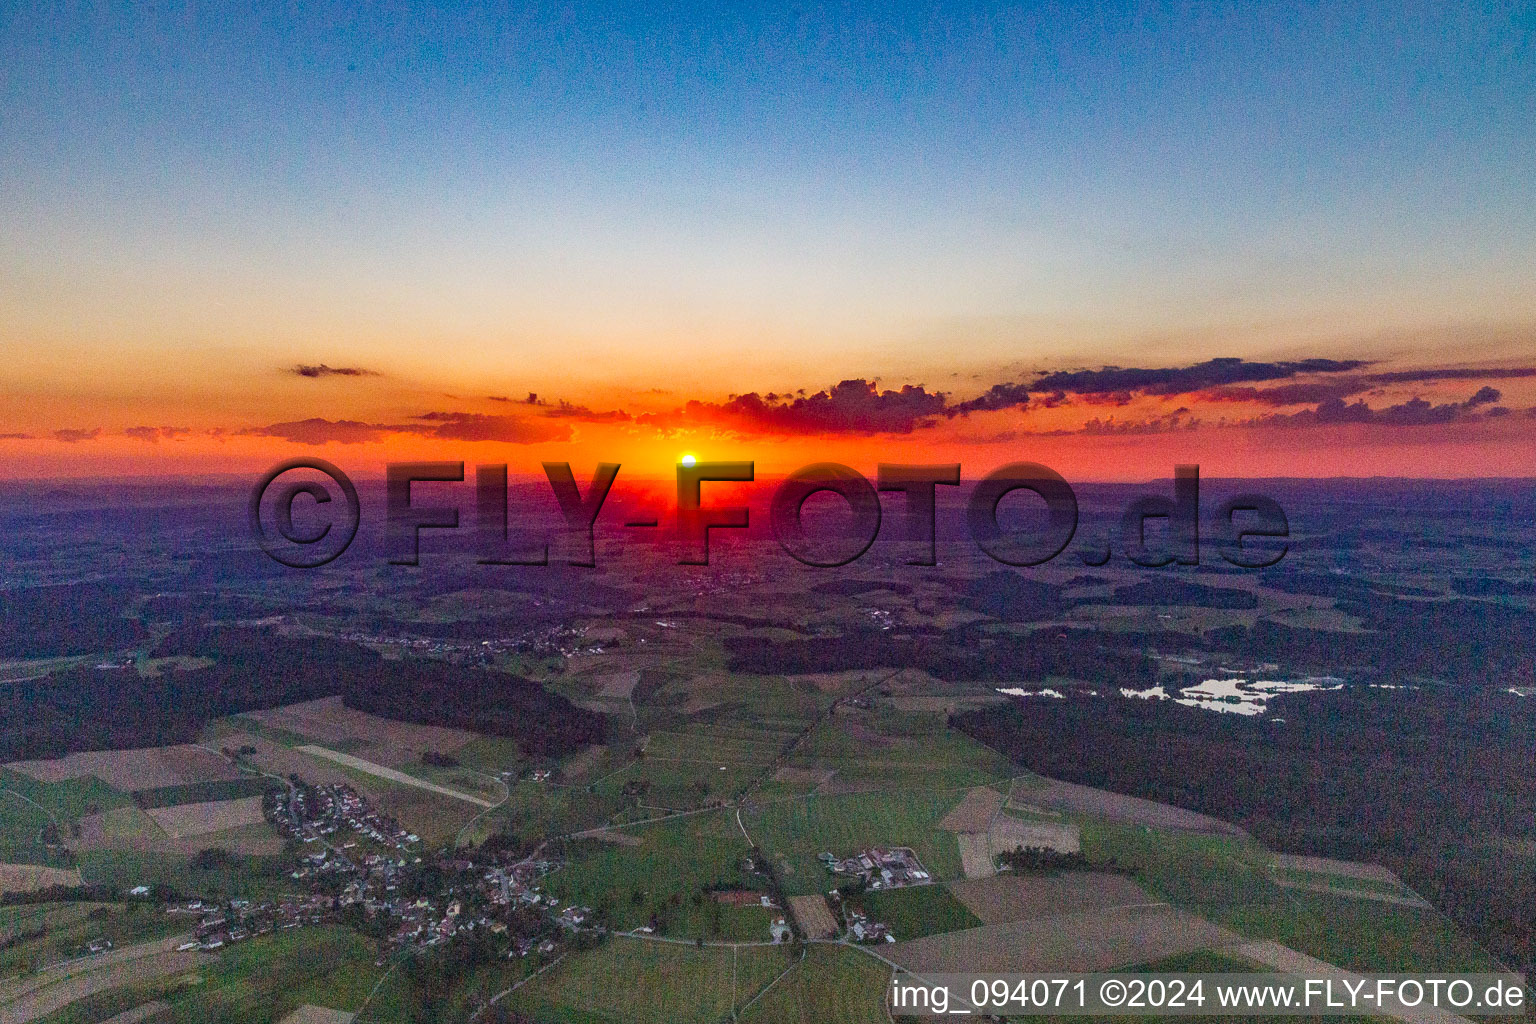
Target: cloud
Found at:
x=16, y=437
x=1452, y=373
x=322, y=370
x=859, y=407
x=69, y=436
x=1299, y=393
x=569, y=410
x=998, y=396
x=154, y=434
x=1303, y=392
x=452, y=426
x=473, y=426
x=1484, y=396
x=1177, y=420
x=851, y=407
x=322, y=431
x=1115, y=385
x=1416, y=412
x=1312, y=392
x=1212, y=373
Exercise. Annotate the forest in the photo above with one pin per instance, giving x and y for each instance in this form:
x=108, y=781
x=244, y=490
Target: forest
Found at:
x=1472, y=643
x=118, y=708
x=1434, y=783
x=961, y=654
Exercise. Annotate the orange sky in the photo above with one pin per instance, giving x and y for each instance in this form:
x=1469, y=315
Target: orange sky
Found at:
x=1085, y=437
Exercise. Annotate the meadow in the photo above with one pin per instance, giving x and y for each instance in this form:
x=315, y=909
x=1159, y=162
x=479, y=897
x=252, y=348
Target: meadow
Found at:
x=641, y=982
x=794, y=831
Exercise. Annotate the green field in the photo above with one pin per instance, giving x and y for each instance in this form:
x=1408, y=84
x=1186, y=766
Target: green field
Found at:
x=28, y=806
x=666, y=875
x=539, y=810
x=834, y=985
x=679, y=785
x=204, y=792
x=1227, y=880
x=71, y=799
x=492, y=754
x=908, y=759
x=795, y=831
x=1367, y=935
x=919, y=910
x=1295, y=876
x=66, y=927
x=1210, y=875
x=255, y=982
x=252, y=877
x=641, y=982
x=21, y=830
x=720, y=748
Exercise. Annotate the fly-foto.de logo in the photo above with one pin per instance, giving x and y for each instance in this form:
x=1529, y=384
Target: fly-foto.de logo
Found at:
x=306, y=512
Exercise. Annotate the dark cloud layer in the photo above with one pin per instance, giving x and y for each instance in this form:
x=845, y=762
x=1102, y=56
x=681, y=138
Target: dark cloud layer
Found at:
x=473, y=426
x=322, y=370
x=322, y=431
x=852, y=407
x=1416, y=412
x=451, y=426
x=1313, y=392
x=1185, y=379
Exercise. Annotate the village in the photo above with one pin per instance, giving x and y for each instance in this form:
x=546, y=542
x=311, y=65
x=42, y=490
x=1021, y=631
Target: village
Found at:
x=364, y=870
x=368, y=872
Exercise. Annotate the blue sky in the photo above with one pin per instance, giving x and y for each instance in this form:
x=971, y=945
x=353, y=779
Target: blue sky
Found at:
x=752, y=196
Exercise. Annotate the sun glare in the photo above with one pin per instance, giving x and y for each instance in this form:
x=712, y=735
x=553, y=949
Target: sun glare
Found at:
x=688, y=461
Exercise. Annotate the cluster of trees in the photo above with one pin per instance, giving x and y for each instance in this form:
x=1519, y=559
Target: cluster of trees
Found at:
x=213, y=858
x=1042, y=860
x=1434, y=783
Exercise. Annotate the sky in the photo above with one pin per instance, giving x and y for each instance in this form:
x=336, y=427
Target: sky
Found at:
x=622, y=231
